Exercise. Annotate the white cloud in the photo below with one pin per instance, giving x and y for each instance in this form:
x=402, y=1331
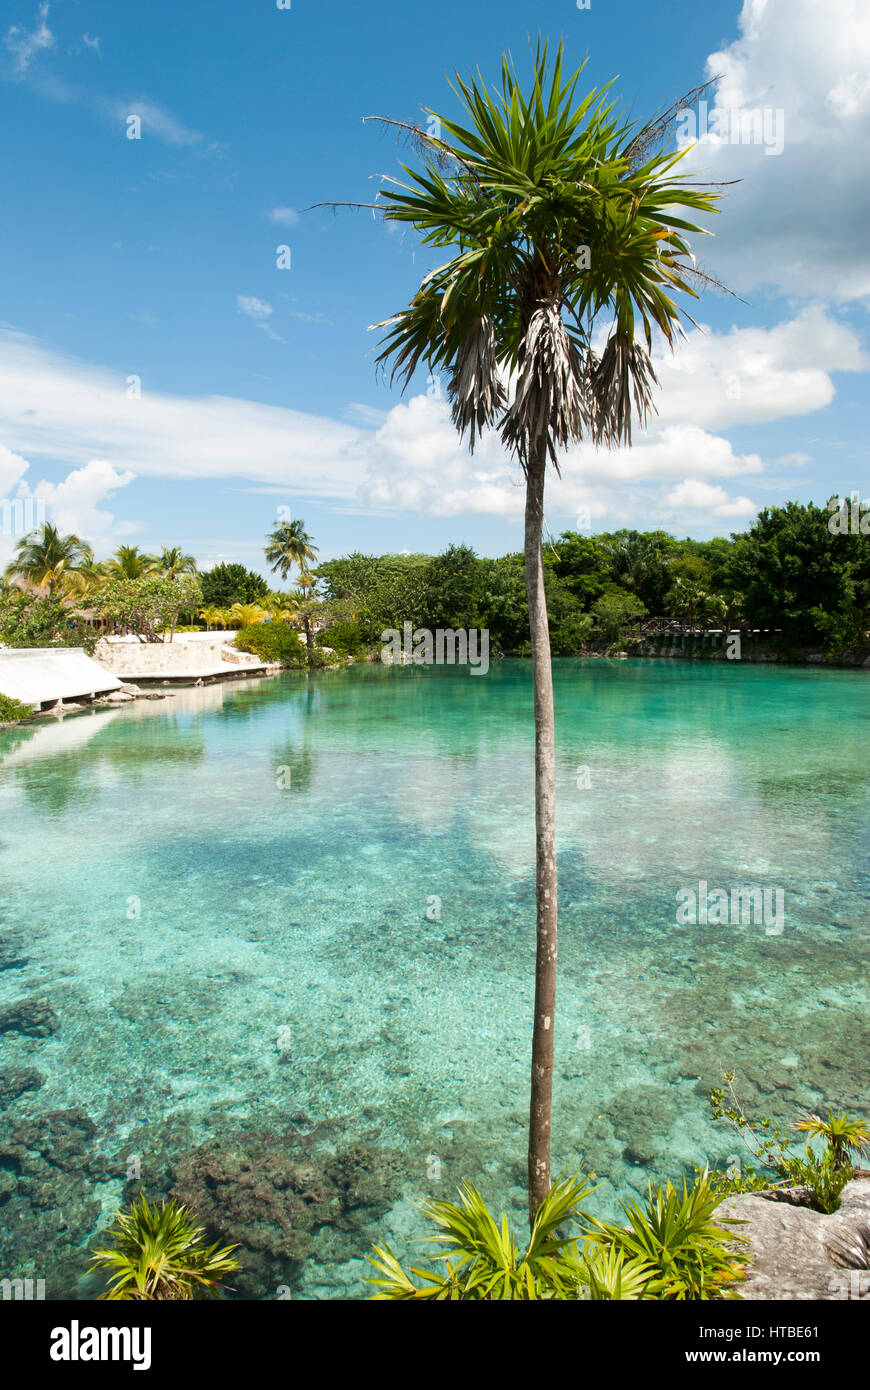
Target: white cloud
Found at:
x=24, y=44
x=284, y=217
x=408, y=458
x=798, y=220
x=715, y=500
x=156, y=120
x=254, y=308
x=74, y=503
x=12, y=469
x=260, y=313
x=93, y=43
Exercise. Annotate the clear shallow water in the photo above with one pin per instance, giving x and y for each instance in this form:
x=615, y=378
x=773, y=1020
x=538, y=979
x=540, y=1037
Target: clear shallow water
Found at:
x=284, y=844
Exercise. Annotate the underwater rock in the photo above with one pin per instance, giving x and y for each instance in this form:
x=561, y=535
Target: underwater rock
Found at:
x=797, y=1253
x=641, y=1117
x=8, y=959
x=270, y=1189
x=49, y=1169
x=34, y=1017
x=14, y=1081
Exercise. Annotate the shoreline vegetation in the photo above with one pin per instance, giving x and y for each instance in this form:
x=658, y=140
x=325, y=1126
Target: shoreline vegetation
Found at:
x=792, y=590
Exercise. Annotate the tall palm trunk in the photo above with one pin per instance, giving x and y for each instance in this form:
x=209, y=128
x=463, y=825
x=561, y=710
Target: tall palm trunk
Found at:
x=540, y=1112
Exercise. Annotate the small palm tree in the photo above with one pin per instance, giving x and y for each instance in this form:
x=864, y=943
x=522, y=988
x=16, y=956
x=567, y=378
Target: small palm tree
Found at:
x=172, y=562
x=841, y=1132
x=45, y=557
x=483, y=1260
x=129, y=562
x=246, y=614
x=284, y=606
x=212, y=617
x=159, y=1255
x=288, y=545
x=557, y=220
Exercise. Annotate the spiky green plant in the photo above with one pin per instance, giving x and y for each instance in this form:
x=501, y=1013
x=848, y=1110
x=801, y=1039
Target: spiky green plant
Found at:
x=674, y=1232
x=672, y=1250
x=482, y=1258
x=159, y=1255
x=842, y=1133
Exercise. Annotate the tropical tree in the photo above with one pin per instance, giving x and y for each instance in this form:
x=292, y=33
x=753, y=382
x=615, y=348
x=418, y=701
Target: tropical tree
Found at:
x=172, y=562
x=212, y=617
x=246, y=614
x=149, y=605
x=45, y=557
x=617, y=616
x=129, y=562
x=288, y=545
x=226, y=584
x=690, y=603
x=638, y=563
x=559, y=220
x=284, y=607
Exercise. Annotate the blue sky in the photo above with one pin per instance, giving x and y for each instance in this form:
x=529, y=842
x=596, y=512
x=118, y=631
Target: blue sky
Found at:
x=156, y=259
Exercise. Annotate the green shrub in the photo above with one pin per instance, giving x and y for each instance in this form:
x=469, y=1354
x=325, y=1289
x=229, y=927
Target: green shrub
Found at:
x=673, y=1249
x=691, y=1255
x=13, y=711
x=345, y=639
x=272, y=642
x=158, y=1255
x=35, y=620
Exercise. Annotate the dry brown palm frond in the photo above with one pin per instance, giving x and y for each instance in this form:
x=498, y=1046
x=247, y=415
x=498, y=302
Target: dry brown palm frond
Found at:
x=625, y=372
x=475, y=388
x=551, y=400
x=424, y=143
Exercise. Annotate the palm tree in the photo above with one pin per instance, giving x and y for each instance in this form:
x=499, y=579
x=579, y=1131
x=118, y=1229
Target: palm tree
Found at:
x=45, y=557
x=246, y=614
x=288, y=545
x=129, y=562
x=211, y=617
x=172, y=562
x=284, y=607
x=842, y=1133
x=558, y=218
x=690, y=602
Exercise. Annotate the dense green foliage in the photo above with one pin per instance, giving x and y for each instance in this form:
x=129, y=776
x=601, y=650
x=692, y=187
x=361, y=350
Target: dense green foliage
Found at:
x=37, y=620
x=150, y=604
x=228, y=584
x=158, y=1254
x=673, y=1248
x=273, y=641
x=13, y=711
x=788, y=574
x=344, y=638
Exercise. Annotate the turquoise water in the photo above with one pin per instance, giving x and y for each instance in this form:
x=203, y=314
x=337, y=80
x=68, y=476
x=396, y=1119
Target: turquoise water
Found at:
x=286, y=928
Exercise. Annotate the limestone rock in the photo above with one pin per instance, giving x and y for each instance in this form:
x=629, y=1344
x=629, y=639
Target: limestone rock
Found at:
x=800, y=1254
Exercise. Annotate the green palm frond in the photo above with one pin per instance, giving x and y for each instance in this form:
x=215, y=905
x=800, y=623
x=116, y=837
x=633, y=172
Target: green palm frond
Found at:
x=159, y=1255
x=514, y=187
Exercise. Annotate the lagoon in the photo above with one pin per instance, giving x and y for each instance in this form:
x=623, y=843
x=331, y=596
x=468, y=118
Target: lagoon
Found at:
x=285, y=930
